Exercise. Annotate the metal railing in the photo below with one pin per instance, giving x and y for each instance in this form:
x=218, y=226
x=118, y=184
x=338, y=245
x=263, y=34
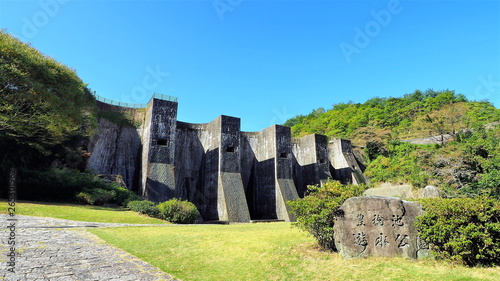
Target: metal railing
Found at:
x=134, y=105
x=163, y=97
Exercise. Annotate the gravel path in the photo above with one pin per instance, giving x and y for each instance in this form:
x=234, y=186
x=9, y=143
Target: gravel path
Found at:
x=57, y=249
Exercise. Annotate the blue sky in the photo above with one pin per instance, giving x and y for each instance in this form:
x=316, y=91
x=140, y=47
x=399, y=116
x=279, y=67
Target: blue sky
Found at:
x=266, y=61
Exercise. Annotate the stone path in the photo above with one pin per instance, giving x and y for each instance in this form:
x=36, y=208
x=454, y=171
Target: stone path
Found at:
x=56, y=249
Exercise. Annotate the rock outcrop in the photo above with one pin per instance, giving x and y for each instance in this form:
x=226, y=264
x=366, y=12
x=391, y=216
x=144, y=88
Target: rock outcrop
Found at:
x=114, y=151
x=403, y=191
x=378, y=226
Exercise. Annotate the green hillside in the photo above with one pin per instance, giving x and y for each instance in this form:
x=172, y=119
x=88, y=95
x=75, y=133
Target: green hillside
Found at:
x=419, y=114
x=463, y=158
x=47, y=115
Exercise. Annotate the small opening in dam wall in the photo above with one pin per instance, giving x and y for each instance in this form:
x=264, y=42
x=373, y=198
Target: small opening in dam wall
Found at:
x=162, y=142
x=230, y=149
x=284, y=155
x=322, y=161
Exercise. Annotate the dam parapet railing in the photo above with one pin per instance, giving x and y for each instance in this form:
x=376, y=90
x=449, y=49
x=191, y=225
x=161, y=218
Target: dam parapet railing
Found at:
x=134, y=105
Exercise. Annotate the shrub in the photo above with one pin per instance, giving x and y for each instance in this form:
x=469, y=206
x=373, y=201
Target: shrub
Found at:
x=64, y=185
x=177, y=211
x=52, y=185
x=96, y=196
x=373, y=149
x=316, y=212
x=490, y=184
x=144, y=207
x=124, y=196
x=462, y=229
x=102, y=192
x=84, y=198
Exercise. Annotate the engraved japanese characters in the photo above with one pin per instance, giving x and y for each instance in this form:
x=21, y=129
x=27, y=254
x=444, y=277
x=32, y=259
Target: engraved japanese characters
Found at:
x=378, y=226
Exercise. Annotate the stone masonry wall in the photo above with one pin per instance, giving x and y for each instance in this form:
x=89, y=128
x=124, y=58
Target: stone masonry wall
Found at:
x=228, y=174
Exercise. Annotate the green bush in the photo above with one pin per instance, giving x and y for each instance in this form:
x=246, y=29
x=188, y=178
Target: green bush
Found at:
x=96, y=196
x=144, y=207
x=84, y=198
x=177, y=211
x=489, y=184
x=403, y=162
x=316, y=212
x=374, y=149
x=66, y=185
x=52, y=185
x=118, y=118
x=124, y=196
x=462, y=229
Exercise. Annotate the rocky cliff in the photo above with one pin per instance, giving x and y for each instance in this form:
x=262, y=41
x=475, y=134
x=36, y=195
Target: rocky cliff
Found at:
x=114, y=150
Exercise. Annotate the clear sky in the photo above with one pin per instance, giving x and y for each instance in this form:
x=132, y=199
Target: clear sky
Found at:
x=266, y=61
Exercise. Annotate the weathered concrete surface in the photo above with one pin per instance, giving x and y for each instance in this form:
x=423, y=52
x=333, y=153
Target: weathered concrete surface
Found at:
x=259, y=173
x=285, y=187
x=189, y=159
x=403, y=191
x=267, y=172
x=310, y=161
x=228, y=174
x=285, y=191
x=378, y=226
x=345, y=167
x=235, y=208
x=208, y=171
x=233, y=204
x=158, y=175
x=55, y=249
x=114, y=150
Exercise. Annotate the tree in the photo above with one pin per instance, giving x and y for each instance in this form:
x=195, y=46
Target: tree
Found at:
x=44, y=106
x=317, y=211
x=446, y=122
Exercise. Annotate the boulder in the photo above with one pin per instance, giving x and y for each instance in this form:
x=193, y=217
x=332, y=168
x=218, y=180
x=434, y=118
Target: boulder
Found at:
x=403, y=191
x=378, y=226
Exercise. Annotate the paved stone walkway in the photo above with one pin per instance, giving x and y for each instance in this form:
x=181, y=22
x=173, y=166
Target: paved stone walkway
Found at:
x=56, y=249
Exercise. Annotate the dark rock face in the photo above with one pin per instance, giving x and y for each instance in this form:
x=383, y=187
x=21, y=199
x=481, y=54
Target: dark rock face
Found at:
x=378, y=226
x=114, y=150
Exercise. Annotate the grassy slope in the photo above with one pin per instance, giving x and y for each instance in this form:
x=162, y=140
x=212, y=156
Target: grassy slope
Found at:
x=79, y=213
x=267, y=252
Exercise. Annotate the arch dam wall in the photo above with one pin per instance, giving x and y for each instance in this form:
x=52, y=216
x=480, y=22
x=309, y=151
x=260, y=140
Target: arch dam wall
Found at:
x=228, y=174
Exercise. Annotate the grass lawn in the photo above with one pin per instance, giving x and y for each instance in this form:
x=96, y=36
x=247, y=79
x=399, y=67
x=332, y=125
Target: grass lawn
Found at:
x=273, y=251
x=79, y=212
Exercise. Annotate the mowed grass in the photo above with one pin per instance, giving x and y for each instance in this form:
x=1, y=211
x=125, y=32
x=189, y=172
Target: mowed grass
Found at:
x=79, y=212
x=274, y=251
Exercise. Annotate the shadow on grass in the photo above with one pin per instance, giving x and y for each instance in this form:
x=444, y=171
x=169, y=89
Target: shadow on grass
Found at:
x=68, y=204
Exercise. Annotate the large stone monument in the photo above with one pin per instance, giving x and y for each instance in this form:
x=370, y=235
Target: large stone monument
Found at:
x=378, y=226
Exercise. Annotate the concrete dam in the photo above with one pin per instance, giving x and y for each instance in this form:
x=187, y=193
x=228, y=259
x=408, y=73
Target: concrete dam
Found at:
x=228, y=174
